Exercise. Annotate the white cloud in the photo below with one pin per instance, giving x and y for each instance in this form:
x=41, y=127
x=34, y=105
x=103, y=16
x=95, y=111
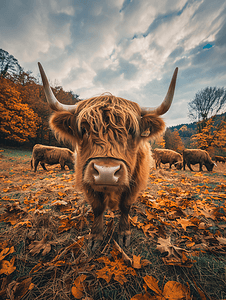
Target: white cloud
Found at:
x=129, y=48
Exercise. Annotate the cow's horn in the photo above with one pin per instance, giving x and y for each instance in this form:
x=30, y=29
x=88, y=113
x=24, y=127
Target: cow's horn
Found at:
x=51, y=99
x=165, y=105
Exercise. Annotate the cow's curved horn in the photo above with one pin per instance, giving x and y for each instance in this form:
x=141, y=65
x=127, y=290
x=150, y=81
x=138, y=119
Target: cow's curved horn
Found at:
x=51, y=99
x=165, y=105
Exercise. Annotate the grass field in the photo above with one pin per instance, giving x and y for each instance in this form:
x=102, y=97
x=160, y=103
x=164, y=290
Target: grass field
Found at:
x=177, y=249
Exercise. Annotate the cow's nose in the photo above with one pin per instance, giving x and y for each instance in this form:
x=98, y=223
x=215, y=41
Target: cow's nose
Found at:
x=106, y=174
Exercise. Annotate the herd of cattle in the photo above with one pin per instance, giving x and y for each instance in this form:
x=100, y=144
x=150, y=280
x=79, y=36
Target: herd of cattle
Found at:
x=111, y=136
x=190, y=157
x=54, y=155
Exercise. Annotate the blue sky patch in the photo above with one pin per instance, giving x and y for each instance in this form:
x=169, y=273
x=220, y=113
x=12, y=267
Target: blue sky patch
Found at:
x=208, y=46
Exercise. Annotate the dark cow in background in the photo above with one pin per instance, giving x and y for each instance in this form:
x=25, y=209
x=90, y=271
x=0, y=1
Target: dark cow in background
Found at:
x=110, y=135
x=52, y=155
x=197, y=156
x=166, y=156
x=220, y=159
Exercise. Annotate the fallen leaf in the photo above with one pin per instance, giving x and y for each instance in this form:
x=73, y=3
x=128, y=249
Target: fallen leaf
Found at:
x=6, y=252
x=7, y=267
x=16, y=290
x=152, y=283
x=175, y=291
x=136, y=262
x=77, y=289
x=116, y=268
x=37, y=246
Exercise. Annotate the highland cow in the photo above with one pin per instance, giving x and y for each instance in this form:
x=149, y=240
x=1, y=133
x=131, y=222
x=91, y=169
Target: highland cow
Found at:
x=111, y=136
x=197, y=156
x=166, y=156
x=220, y=159
x=51, y=156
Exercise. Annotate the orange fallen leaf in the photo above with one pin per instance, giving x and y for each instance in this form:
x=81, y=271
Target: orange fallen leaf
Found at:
x=175, y=291
x=165, y=245
x=136, y=262
x=116, y=268
x=7, y=267
x=77, y=289
x=172, y=290
x=152, y=283
x=185, y=223
x=6, y=252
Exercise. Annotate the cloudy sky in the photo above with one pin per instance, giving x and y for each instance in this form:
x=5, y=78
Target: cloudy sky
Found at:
x=127, y=47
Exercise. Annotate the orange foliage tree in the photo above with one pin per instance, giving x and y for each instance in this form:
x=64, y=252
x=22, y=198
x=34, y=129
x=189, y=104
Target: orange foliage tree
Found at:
x=212, y=135
x=18, y=122
x=173, y=140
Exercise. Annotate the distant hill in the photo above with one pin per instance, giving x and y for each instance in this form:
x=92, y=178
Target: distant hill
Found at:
x=188, y=129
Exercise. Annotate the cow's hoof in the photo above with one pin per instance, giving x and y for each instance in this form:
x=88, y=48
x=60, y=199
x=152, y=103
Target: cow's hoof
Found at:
x=124, y=240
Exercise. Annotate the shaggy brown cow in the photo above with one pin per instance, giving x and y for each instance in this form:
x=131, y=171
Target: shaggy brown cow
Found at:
x=220, y=159
x=51, y=156
x=165, y=156
x=111, y=137
x=197, y=156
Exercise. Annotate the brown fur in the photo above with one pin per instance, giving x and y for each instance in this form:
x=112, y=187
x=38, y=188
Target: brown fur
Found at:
x=165, y=156
x=197, y=156
x=52, y=155
x=220, y=159
x=109, y=128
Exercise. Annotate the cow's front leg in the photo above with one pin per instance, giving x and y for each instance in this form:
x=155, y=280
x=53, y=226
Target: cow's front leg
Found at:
x=124, y=225
x=98, y=205
x=43, y=166
x=189, y=165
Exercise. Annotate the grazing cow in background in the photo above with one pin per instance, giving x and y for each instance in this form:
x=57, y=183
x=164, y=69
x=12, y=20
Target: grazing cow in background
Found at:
x=197, y=156
x=220, y=159
x=165, y=156
x=110, y=135
x=51, y=156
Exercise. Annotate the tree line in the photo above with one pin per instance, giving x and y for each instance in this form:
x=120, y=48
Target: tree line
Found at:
x=25, y=113
x=208, y=132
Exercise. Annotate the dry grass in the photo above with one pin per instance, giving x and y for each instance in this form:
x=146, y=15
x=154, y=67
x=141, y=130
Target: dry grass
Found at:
x=30, y=197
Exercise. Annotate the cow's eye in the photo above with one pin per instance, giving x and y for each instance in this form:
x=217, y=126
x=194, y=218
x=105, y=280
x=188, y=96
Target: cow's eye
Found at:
x=131, y=132
x=84, y=131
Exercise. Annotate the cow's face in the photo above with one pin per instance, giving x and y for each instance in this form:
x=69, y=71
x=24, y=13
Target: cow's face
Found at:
x=107, y=132
x=209, y=166
x=70, y=165
x=179, y=165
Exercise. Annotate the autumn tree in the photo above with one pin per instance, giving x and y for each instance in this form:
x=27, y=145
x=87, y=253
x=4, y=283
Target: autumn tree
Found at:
x=31, y=95
x=9, y=65
x=24, y=78
x=212, y=136
x=173, y=140
x=207, y=103
x=18, y=122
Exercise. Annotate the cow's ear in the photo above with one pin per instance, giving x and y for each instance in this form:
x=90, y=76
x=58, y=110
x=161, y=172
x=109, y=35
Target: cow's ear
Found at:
x=63, y=124
x=151, y=125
